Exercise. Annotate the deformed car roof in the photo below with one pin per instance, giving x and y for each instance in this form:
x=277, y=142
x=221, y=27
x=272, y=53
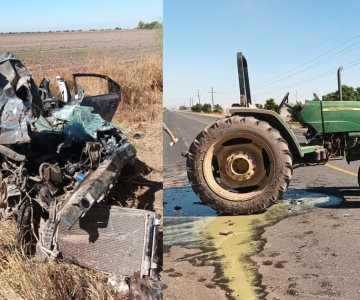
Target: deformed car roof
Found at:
x=19, y=100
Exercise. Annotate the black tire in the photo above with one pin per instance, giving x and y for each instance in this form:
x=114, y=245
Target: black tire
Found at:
x=24, y=234
x=250, y=202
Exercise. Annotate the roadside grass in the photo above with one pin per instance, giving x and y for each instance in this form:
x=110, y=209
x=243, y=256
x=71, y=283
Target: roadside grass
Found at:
x=142, y=89
x=32, y=279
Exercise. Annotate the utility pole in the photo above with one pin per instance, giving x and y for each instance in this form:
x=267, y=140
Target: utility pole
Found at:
x=198, y=94
x=212, y=96
x=190, y=102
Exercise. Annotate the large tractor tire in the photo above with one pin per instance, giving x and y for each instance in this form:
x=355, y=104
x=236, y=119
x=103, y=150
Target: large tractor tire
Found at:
x=239, y=165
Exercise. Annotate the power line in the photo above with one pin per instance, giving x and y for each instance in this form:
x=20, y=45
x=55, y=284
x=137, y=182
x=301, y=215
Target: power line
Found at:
x=352, y=63
x=319, y=63
x=212, y=96
x=348, y=65
x=281, y=75
x=325, y=74
x=334, y=35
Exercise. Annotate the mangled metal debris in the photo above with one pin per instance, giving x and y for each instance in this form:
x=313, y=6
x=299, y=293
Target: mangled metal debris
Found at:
x=59, y=158
x=20, y=102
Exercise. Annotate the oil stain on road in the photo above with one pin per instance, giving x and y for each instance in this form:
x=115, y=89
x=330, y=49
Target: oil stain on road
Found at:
x=229, y=242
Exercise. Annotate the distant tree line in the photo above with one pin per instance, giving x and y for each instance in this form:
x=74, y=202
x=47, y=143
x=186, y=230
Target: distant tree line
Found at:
x=206, y=108
x=141, y=25
x=349, y=94
x=64, y=30
x=152, y=25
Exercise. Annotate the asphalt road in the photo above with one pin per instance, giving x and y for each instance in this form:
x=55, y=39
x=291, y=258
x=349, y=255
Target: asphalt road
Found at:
x=314, y=255
x=186, y=126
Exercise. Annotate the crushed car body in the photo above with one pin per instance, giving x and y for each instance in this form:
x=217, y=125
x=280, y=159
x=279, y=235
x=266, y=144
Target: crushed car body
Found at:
x=59, y=159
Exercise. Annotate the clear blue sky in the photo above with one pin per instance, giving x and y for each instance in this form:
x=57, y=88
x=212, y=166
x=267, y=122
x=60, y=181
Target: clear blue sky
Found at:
x=289, y=46
x=21, y=15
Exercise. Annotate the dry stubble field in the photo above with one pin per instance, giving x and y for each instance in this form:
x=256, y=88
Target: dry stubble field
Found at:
x=47, y=51
x=134, y=59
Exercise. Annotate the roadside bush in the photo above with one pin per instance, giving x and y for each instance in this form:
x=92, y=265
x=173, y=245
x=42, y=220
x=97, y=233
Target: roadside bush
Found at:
x=197, y=107
x=207, y=108
x=218, y=109
x=270, y=104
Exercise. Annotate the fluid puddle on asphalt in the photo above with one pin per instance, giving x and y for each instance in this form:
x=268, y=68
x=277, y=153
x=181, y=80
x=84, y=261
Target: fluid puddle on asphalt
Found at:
x=191, y=224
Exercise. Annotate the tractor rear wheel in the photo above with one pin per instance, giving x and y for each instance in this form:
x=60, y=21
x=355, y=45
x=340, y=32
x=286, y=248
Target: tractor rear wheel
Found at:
x=239, y=165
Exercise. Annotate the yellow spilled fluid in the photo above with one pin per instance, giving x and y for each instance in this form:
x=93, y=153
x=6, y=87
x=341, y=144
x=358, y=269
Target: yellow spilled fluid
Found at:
x=233, y=236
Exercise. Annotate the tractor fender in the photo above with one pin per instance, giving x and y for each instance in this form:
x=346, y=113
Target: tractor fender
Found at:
x=277, y=122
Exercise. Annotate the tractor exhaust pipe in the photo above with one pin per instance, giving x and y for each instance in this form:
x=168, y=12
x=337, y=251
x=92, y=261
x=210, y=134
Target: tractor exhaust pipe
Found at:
x=245, y=97
x=339, y=82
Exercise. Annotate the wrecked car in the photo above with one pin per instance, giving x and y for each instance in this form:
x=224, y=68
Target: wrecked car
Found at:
x=59, y=158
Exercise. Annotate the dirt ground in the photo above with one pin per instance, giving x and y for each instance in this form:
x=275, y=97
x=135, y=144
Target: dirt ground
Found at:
x=49, y=51
x=144, y=186
x=145, y=189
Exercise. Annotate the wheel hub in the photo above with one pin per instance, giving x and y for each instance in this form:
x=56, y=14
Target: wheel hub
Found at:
x=240, y=166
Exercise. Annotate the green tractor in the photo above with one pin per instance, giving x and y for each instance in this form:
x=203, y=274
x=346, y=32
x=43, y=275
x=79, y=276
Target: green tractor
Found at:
x=242, y=164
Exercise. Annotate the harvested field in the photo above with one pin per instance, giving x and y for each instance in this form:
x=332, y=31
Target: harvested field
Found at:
x=61, y=50
x=133, y=58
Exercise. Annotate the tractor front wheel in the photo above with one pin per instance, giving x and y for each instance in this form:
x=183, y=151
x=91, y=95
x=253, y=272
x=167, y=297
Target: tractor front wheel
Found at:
x=239, y=165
